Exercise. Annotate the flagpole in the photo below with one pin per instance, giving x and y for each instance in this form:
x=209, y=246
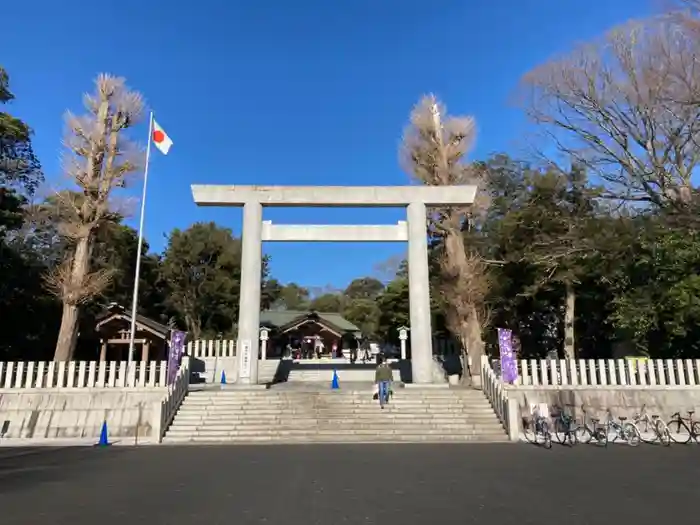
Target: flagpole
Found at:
x=135, y=299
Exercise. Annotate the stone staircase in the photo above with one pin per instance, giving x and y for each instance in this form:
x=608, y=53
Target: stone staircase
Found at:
x=317, y=414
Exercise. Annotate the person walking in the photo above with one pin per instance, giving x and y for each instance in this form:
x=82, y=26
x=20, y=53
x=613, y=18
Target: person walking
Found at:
x=383, y=377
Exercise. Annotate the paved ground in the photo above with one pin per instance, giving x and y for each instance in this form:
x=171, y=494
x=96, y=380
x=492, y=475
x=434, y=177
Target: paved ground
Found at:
x=336, y=484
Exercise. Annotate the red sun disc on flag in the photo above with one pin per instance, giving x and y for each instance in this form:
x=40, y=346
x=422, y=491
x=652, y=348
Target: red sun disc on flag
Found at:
x=158, y=136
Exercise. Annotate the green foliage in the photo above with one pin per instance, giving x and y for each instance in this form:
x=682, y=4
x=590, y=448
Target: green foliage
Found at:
x=393, y=305
x=657, y=290
x=11, y=211
x=202, y=268
x=328, y=302
x=364, y=288
x=291, y=297
x=28, y=315
x=19, y=166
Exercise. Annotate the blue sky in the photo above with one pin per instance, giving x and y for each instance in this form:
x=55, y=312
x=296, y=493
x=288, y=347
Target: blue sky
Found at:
x=288, y=92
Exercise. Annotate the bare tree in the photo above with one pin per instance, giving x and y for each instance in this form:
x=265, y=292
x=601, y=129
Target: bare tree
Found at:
x=625, y=107
x=99, y=160
x=434, y=152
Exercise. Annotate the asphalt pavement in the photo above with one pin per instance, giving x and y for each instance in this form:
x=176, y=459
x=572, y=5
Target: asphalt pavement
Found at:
x=490, y=484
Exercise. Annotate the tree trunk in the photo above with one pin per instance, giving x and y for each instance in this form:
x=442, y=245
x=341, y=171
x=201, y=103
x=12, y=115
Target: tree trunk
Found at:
x=68, y=333
x=569, y=317
x=476, y=346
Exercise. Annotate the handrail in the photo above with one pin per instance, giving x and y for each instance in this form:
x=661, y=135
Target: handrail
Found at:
x=506, y=409
x=177, y=392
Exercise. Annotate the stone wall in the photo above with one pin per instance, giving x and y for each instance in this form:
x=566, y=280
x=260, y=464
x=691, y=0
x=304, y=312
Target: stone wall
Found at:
x=55, y=413
x=205, y=368
x=622, y=400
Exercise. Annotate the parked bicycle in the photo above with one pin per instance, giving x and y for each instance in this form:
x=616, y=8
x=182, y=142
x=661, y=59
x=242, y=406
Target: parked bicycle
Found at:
x=683, y=429
x=564, y=426
x=590, y=429
x=537, y=431
x=622, y=430
x=659, y=429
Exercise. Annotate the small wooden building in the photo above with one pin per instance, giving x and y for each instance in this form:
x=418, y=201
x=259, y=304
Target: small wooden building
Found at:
x=289, y=328
x=114, y=327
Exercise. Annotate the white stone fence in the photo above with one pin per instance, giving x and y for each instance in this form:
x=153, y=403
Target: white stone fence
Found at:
x=82, y=374
x=608, y=372
x=201, y=348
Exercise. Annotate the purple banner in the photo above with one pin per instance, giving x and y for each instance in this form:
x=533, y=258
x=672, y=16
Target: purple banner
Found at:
x=175, y=353
x=509, y=364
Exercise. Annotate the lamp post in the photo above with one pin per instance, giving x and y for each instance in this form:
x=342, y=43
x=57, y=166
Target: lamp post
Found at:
x=264, y=337
x=403, y=336
x=217, y=349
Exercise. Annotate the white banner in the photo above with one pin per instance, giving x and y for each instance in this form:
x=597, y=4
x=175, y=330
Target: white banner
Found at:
x=244, y=372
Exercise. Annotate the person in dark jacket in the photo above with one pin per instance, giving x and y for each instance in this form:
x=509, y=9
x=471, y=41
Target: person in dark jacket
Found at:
x=383, y=377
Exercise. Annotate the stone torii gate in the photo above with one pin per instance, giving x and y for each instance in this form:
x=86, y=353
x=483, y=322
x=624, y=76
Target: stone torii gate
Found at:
x=256, y=231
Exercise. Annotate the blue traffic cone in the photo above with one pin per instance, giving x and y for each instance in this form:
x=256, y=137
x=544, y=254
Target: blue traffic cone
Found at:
x=334, y=384
x=223, y=377
x=104, y=440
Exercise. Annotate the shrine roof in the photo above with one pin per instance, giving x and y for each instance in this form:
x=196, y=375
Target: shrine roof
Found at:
x=280, y=318
x=115, y=312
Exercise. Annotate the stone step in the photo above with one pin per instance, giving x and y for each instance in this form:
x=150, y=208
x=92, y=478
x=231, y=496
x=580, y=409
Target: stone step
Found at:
x=335, y=410
x=349, y=427
x=366, y=419
x=384, y=415
x=260, y=390
x=337, y=439
x=339, y=400
x=325, y=397
x=351, y=409
x=333, y=432
x=346, y=425
x=321, y=407
x=376, y=412
x=310, y=395
x=368, y=399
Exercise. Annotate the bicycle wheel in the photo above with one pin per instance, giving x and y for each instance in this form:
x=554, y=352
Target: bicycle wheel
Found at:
x=631, y=434
x=661, y=431
x=679, y=431
x=600, y=434
x=564, y=432
x=530, y=431
x=583, y=434
x=696, y=431
x=559, y=431
x=653, y=438
x=546, y=435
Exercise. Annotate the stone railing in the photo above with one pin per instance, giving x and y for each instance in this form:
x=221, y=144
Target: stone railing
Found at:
x=630, y=372
x=203, y=348
x=506, y=409
x=211, y=348
x=82, y=374
x=168, y=407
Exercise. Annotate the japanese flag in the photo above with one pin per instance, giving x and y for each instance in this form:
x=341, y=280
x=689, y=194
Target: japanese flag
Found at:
x=161, y=139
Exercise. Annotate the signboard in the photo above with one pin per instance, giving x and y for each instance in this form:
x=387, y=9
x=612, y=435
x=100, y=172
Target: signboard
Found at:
x=244, y=363
x=175, y=352
x=509, y=363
